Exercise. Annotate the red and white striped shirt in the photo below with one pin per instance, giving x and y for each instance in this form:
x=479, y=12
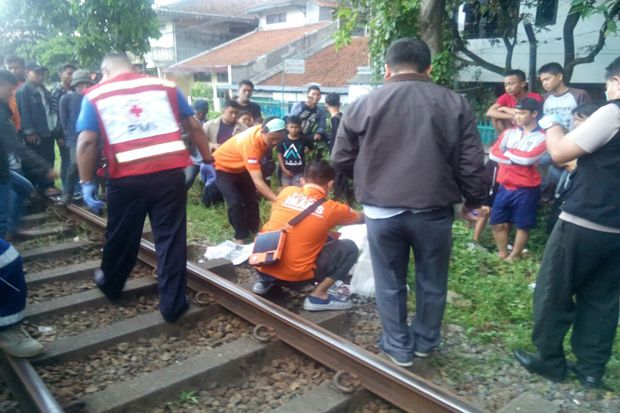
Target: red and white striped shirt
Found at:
x=517, y=152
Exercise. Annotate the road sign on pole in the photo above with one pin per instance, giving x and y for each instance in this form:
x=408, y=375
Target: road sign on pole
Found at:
x=294, y=66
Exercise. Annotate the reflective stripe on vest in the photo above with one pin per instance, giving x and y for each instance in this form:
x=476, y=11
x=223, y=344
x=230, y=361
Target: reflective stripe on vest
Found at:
x=150, y=151
x=139, y=123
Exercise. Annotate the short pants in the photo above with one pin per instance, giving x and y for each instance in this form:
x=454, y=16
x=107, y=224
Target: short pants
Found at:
x=516, y=206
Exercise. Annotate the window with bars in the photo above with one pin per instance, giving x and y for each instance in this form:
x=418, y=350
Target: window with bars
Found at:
x=276, y=18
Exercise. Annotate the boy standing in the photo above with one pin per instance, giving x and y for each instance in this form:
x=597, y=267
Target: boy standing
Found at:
x=560, y=100
x=68, y=112
x=332, y=102
x=517, y=151
x=502, y=112
x=292, y=153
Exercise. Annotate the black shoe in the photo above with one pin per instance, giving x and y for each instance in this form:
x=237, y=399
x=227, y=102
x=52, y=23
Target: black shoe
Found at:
x=534, y=364
x=173, y=318
x=590, y=382
x=100, y=281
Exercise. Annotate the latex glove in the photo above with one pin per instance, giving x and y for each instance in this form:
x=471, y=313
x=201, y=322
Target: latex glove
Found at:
x=549, y=120
x=89, y=191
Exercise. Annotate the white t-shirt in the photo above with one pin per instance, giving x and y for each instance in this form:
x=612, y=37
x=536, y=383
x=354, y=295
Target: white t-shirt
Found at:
x=562, y=105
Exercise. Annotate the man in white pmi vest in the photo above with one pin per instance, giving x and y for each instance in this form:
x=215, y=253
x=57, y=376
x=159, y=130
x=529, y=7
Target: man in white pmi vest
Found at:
x=137, y=120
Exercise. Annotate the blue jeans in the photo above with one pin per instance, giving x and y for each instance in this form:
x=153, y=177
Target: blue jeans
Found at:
x=13, y=192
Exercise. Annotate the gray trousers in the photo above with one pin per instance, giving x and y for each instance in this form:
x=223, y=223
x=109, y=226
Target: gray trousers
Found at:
x=429, y=234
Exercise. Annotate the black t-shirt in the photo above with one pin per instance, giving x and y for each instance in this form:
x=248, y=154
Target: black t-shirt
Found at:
x=335, y=122
x=224, y=132
x=253, y=108
x=293, y=152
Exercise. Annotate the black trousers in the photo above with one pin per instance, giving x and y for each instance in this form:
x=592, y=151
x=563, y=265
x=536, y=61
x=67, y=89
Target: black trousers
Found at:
x=45, y=149
x=239, y=192
x=578, y=284
x=162, y=196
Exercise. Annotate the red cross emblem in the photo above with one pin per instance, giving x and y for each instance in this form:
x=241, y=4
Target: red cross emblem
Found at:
x=136, y=111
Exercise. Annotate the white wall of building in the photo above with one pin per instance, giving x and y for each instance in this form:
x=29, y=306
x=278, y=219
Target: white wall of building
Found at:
x=295, y=17
x=550, y=48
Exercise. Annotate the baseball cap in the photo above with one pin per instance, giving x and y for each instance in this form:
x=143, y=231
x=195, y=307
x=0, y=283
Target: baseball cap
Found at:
x=34, y=66
x=529, y=104
x=81, y=76
x=6, y=76
x=275, y=125
x=201, y=105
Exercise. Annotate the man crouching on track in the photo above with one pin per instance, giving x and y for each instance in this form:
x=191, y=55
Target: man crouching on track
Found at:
x=307, y=254
x=14, y=340
x=137, y=119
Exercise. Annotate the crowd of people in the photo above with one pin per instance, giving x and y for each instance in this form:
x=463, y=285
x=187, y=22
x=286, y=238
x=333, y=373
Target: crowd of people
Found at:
x=411, y=150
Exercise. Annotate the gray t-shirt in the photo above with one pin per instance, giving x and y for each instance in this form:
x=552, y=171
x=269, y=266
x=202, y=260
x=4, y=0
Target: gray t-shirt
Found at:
x=563, y=104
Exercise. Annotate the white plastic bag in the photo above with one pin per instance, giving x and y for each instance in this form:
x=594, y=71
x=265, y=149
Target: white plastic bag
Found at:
x=231, y=251
x=363, y=282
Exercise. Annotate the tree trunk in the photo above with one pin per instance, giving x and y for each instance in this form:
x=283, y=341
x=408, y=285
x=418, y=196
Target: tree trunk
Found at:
x=431, y=14
x=531, y=38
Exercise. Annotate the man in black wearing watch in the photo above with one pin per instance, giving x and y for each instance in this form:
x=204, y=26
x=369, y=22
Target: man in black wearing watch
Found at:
x=578, y=283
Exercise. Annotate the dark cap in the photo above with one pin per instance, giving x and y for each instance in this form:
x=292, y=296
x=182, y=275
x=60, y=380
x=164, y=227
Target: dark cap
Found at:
x=7, y=77
x=34, y=67
x=81, y=76
x=528, y=104
x=201, y=105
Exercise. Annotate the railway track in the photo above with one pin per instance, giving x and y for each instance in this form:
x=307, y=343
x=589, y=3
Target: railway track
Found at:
x=243, y=352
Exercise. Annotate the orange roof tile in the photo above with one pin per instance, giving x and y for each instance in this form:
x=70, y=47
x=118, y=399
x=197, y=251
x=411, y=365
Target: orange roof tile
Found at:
x=245, y=48
x=328, y=67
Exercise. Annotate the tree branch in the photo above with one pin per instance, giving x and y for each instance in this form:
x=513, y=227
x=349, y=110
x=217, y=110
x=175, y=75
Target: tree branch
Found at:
x=460, y=47
x=569, y=65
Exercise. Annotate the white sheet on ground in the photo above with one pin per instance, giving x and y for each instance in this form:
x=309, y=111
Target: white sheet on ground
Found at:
x=231, y=251
x=362, y=282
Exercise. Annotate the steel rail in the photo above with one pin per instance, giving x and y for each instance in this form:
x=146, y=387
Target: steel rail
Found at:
x=30, y=391
x=396, y=385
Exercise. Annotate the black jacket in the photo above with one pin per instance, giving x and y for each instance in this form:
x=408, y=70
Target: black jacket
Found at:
x=12, y=142
x=411, y=144
x=5, y=124
x=32, y=111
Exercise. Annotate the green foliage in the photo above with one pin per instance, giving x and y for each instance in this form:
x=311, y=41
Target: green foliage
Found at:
x=188, y=397
x=54, y=31
x=387, y=20
x=202, y=90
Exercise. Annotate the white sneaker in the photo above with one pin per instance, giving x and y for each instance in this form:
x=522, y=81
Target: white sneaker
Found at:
x=17, y=342
x=261, y=287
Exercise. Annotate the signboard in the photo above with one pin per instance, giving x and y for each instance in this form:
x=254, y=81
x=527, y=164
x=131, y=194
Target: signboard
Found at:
x=294, y=66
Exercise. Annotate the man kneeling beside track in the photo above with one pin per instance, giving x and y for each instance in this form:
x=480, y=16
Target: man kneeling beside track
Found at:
x=308, y=255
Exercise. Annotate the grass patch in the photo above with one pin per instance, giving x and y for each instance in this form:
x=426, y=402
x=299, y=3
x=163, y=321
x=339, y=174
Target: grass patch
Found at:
x=500, y=301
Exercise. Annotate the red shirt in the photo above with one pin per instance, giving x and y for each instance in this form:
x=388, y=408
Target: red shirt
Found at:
x=510, y=101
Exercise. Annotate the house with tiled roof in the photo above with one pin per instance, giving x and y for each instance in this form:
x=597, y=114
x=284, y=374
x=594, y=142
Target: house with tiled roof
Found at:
x=284, y=28
x=329, y=67
x=189, y=27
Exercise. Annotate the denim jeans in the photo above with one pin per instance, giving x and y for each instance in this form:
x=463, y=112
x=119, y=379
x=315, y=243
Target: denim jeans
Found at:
x=13, y=192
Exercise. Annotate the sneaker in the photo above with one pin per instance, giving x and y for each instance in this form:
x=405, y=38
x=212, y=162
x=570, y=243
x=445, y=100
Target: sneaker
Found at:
x=261, y=287
x=340, y=290
x=17, y=342
x=332, y=303
x=401, y=363
x=421, y=354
